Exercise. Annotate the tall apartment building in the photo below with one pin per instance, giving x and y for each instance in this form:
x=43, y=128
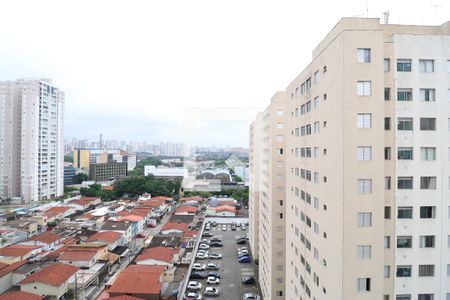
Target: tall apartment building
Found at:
x=31, y=143
x=368, y=165
x=267, y=200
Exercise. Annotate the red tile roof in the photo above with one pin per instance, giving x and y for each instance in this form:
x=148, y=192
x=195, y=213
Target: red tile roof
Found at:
x=227, y=202
x=85, y=201
x=186, y=209
x=226, y=208
x=173, y=225
x=194, y=198
x=53, y=211
x=162, y=198
x=5, y=269
x=124, y=297
x=105, y=236
x=151, y=203
x=158, y=253
x=17, y=250
x=77, y=255
x=20, y=295
x=131, y=218
x=141, y=211
x=138, y=279
x=54, y=275
x=46, y=237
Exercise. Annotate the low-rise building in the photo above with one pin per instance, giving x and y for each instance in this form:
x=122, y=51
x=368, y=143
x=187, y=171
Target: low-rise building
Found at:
x=162, y=256
x=122, y=227
x=112, y=238
x=16, y=252
x=107, y=171
x=20, y=295
x=174, y=228
x=186, y=210
x=49, y=281
x=47, y=240
x=165, y=172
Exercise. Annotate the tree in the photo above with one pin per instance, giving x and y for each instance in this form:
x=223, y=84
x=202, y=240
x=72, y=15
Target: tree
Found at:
x=139, y=169
x=138, y=185
x=79, y=178
x=92, y=191
x=237, y=178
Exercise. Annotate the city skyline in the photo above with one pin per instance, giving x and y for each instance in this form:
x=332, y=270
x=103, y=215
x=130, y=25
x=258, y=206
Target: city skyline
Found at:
x=117, y=72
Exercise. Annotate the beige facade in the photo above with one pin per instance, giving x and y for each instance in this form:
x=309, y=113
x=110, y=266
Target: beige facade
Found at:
x=367, y=165
x=267, y=200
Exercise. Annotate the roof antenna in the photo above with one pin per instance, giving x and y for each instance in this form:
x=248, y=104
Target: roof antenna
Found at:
x=436, y=6
x=386, y=17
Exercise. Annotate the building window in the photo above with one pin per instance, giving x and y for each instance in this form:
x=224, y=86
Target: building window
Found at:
x=387, y=271
x=448, y=66
x=428, y=153
x=364, y=186
x=403, y=271
x=280, y=150
x=387, y=64
x=364, y=88
x=364, y=219
x=387, y=94
x=425, y=297
x=404, y=94
x=428, y=95
x=363, y=284
x=387, y=182
x=279, y=125
x=405, y=153
x=427, y=182
x=404, y=212
x=363, y=55
x=403, y=297
x=387, y=242
x=279, y=112
x=387, y=153
x=405, y=183
x=426, y=65
x=428, y=212
x=387, y=212
x=404, y=242
x=364, y=120
x=387, y=123
x=405, y=124
x=364, y=251
x=427, y=241
x=403, y=65
x=427, y=124
x=364, y=153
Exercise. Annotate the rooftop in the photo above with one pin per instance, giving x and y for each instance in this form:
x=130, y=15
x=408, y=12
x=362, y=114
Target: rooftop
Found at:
x=17, y=250
x=138, y=279
x=54, y=275
x=20, y=295
x=174, y=225
x=158, y=253
x=77, y=255
x=46, y=237
x=186, y=209
x=105, y=236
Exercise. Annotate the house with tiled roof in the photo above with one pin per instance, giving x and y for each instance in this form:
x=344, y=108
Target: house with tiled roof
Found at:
x=162, y=256
x=51, y=280
x=139, y=281
x=123, y=227
x=6, y=274
x=193, y=198
x=174, y=228
x=186, y=210
x=58, y=212
x=48, y=240
x=137, y=222
x=20, y=295
x=85, y=203
x=167, y=199
x=16, y=252
x=112, y=238
x=84, y=255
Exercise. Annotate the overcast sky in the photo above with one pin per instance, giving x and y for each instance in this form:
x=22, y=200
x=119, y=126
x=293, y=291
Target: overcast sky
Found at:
x=131, y=68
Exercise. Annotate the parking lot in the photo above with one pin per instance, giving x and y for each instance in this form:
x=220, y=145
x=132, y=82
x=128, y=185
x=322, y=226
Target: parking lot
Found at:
x=230, y=270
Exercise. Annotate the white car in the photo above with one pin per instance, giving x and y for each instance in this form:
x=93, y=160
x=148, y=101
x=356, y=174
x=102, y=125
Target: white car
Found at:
x=203, y=246
x=242, y=248
x=215, y=256
x=198, y=267
x=212, y=280
x=211, y=291
x=212, y=266
x=202, y=255
x=194, y=286
x=224, y=227
x=205, y=241
x=192, y=296
x=242, y=252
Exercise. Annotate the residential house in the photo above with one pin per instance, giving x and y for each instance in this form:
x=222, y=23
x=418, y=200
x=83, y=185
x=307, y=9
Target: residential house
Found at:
x=174, y=228
x=6, y=274
x=16, y=252
x=137, y=223
x=85, y=203
x=49, y=281
x=162, y=256
x=48, y=240
x=186, y=210
x=20, y=295
x=122, y=227
x=30, y=227
x=112, y=238
x=84, y=255
x=58, y=213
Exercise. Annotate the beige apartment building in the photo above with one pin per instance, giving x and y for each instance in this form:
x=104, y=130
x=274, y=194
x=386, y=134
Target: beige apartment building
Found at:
x=268, y=194
x=367, y=161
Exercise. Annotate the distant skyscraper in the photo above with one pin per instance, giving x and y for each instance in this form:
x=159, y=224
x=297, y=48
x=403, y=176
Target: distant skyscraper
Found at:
x=32, y=142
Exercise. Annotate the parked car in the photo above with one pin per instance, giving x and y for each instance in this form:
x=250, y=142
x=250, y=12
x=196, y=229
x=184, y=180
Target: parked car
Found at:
x=192, y=296
x=215, y=256
x=212, y=280
x=203, y=246
x=242, y=248
x=213, y=274
x=245, y=259
x=194, y=286
x=207, y=234
x=211, y=266
x=212, y=291
x=197, y=275
x=233, y=228
x=214, y=224
x=224, y=227
x=216, y=244
x=243, y=227
x=202, y=255
x=198, y=267
x=241, y=241
x=248, y=280
x=242, y=254
x=251, y=296
x=216, y=239
x=205, y=241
